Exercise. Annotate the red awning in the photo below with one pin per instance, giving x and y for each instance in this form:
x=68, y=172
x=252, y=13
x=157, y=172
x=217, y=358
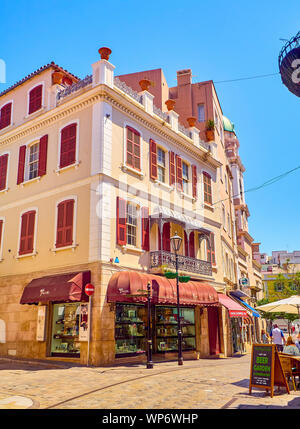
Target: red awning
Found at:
x=60, y=288
x=125, y=285
x=235, y=309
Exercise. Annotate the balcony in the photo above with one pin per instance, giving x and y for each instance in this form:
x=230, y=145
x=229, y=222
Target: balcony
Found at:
x=185, y=263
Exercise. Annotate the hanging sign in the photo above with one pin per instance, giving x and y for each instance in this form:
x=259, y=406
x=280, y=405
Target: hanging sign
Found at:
x=266, y=369
x=84, y=323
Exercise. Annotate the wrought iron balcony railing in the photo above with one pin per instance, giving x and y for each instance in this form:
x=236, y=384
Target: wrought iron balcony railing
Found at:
x=185, y=263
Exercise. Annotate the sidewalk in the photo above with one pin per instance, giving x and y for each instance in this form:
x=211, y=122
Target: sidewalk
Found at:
x=198, y=384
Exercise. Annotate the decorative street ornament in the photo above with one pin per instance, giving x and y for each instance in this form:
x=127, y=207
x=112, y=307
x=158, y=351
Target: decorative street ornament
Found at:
x=289, y=64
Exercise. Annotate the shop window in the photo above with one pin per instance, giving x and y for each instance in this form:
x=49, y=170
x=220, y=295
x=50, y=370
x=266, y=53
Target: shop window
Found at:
x=65, y=330
x=130, y=336
x=166, y=334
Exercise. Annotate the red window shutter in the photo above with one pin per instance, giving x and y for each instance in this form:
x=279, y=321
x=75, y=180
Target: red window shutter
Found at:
x=153, y=160
x=121, y=221
x=27, y=232
x=3, y=171
x=172, y=168
x=5, y=116
x=145, y=229
x=133, y=148
x=194, y=180
x=64, y=229
x=212, y=248
x=192, y=245
x=43, y=155
x=179, y=172
x=166, y=237
x=68, y=145
x=35, y=99
x=21, y=167
x=159, y=238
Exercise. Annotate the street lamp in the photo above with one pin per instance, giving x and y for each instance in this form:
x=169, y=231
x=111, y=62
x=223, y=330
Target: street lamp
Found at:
x=176, y=243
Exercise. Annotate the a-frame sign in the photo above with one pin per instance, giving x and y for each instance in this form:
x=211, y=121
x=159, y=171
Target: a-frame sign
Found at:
x=266, y=370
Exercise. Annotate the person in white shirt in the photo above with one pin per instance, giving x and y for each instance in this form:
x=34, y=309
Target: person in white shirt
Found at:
x=277, y=337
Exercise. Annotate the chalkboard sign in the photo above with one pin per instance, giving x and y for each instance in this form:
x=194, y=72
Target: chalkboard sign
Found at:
x=266, y=370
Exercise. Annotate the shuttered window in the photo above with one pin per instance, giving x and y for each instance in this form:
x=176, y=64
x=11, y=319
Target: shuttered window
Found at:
x=21, y=164
x=1, y=235
x=27, y=232
x=5, y=115
x=68, y=145
x=207, y=188
x=179, y=172
x=43, y=155
x=133, y=148
x=145, y=229
x=35, y=99
x=166, y=242
x=153, y=160
x=194, y=180
x=172, y=168
x=64, y=229
x=3, y=171
x=211, y=255
x=121, y=221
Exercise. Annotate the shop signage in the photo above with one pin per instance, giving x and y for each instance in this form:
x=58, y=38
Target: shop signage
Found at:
x=266, y=369
x=41, y=323
x=89, y=289
x=244, y=281
x=84, y=323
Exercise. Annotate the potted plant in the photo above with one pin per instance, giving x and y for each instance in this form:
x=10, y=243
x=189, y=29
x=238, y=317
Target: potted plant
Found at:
x=191, y=121
x=170, y=104
x=144, y=84
x=104, y=53
x=210, y=130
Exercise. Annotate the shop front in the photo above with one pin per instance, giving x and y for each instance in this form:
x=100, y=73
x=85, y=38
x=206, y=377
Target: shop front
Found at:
x=62, y=317
x=239, y=319
x=131, y=313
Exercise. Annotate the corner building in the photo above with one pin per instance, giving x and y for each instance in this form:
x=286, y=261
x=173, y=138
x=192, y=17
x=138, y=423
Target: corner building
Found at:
x=96, y=176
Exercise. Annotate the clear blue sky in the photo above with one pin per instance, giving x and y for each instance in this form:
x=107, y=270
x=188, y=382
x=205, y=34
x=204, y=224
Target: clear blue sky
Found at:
x=218, y=40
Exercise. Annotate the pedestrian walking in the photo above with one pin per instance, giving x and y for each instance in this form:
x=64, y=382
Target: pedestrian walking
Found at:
x=264, y=337
x=277, y=337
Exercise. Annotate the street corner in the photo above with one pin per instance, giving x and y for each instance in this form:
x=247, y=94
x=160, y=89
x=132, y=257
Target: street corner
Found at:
x=17, y=402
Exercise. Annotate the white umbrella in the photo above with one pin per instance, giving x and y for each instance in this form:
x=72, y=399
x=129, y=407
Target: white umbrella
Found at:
x=288, y=305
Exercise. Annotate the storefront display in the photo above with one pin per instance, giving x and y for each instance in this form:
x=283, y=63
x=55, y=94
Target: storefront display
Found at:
x=130, y=329
x=65, y=330
x=237, y=335
x=166, y=333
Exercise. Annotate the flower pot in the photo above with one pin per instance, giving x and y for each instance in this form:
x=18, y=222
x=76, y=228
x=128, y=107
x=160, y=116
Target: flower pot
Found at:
x=170, y=104
x=67, y=80
x=191, y=121
x=105, y=53
x=57, y=77
x=144, y=84
x=210, y=135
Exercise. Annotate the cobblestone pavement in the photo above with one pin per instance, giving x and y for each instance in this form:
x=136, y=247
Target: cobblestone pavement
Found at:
x=198, y=384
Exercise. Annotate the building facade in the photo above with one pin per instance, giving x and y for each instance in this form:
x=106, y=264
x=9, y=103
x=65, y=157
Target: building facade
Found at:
x=96, y=175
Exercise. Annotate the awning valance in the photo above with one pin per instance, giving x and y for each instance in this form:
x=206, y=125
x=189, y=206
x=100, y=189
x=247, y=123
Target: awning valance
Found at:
x=59, y=288
x=253, y=311
x=125, y=286
x=235, y=309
